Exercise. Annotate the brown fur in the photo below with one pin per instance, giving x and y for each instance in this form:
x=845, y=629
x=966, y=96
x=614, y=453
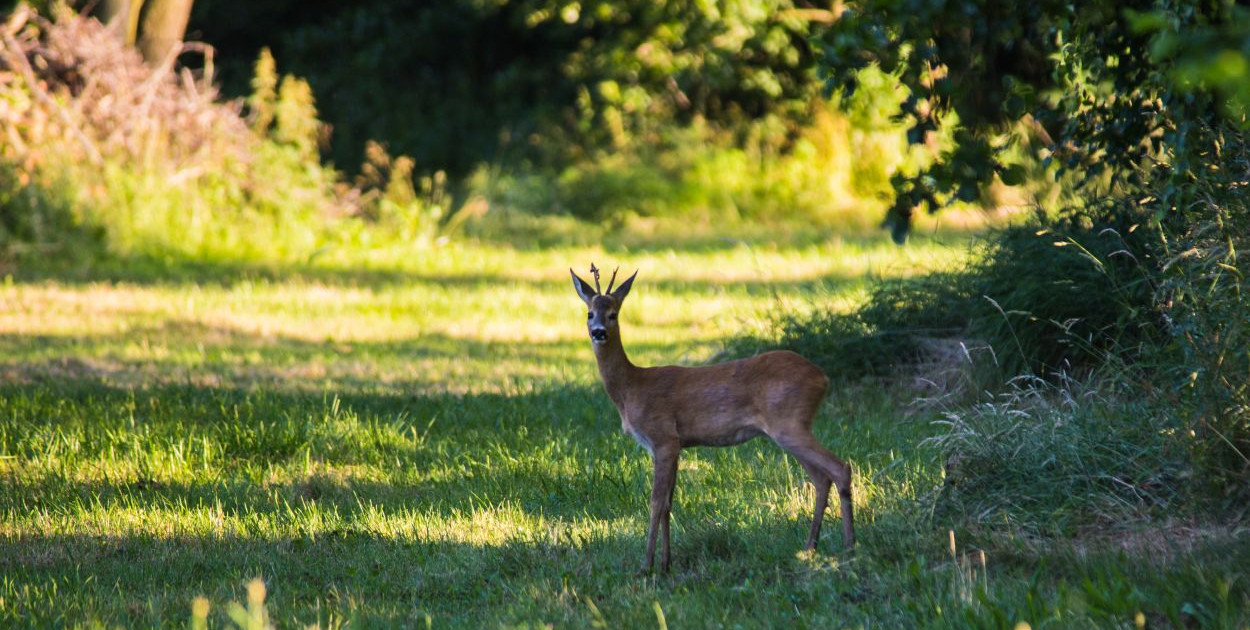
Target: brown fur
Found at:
x=669, y=408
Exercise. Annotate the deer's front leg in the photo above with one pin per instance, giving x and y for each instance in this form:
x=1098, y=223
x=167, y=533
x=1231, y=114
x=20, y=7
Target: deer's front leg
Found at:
x=665, y=478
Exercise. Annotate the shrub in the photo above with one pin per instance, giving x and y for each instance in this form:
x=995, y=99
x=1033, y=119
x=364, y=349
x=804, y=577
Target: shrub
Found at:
x=147, y=156
x=884, y=336
x=1131, y=333
x=825, y=175
x=1064, y=297
x=1202, y=295
x=1044, y=300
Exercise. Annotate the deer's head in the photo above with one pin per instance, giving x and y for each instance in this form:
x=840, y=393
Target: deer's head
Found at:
x=602, y=308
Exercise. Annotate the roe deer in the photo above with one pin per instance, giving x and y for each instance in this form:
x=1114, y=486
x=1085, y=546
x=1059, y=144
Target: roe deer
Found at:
x=670, y=408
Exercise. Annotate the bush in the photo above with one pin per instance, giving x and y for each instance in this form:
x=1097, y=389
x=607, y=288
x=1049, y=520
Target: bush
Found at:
x=1044, y=300
x=1067, y=296
x=881, y=338
x=1202, y=295
x=1131, y=334
x=148, y=158
x=827, y=175
x=841, y=344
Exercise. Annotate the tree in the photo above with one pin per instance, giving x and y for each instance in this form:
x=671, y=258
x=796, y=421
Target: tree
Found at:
x=154, y=26
x=163, y=25
x=1102, y=84
x=455, y=83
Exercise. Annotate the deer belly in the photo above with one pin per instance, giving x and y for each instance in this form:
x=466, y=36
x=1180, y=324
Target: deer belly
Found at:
x=728, y=438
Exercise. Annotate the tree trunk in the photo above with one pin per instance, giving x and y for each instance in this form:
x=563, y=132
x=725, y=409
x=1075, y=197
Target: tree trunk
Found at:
x=164, y=22
x=122, y=16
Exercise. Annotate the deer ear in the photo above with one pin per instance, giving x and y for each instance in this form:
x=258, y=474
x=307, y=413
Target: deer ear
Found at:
x=584, y=290
x=623, y=290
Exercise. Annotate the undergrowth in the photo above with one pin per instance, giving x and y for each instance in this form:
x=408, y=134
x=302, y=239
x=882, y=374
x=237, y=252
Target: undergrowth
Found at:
x=1101, y=370
x=1039, y=299
x=111, y=159
x=108, y=157
x=830, y=174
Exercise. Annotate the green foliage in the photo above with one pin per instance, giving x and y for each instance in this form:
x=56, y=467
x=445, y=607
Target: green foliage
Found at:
x=143, y=166
x=620, y=114
x=1099, y=81
x=296, y=118
x=832, y=174
x=264, y=91
x=1143, y=106
x=884, y=336
x=841, y=345
x=1151, y=312
x=458, y=84
x=1203, y=53
x=1202, y=282
x=400, y=202
x=39, y=225
x=1066, y=297
x=1044, y=300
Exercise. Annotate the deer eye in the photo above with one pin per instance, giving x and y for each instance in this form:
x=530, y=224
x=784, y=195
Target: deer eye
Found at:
x=590, y=315
x=611, y=317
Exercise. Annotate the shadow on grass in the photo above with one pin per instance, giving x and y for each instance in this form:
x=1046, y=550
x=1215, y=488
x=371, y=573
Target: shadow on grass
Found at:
x=96, y=442
x=155, y=271
x=555, y=453
x=150, y=581
x=227, y=275
x=174, y=352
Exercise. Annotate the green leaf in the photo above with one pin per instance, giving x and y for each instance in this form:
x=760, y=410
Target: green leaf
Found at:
x=1144, y=22
x=1013, y=174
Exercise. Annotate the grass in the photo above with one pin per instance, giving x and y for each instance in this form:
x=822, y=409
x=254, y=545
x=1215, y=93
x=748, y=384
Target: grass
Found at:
x=403, y=438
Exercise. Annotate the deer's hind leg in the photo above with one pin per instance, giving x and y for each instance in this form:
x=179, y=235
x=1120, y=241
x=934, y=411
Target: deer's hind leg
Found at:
x=821, y=482
x=816, y=459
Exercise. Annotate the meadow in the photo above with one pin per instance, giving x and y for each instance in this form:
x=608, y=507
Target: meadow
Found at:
x=251, y=379
x=417, y=438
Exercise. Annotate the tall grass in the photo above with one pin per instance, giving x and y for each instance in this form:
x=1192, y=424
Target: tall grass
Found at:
x=1202, y=288
x=1101, y=371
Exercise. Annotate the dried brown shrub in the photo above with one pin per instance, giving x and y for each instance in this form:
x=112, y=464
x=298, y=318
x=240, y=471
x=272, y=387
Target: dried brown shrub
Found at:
x=71, y=82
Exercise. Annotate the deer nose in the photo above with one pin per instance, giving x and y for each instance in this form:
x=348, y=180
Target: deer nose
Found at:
x=599, y=334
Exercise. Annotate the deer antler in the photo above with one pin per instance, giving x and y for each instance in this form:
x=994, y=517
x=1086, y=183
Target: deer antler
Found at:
x=595, y=272
x=613, y=280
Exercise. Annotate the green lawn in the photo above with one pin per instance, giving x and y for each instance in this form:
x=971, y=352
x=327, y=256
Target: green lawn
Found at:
x=418, y=437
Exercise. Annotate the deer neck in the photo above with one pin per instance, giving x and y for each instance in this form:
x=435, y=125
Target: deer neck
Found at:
x=614, y=368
